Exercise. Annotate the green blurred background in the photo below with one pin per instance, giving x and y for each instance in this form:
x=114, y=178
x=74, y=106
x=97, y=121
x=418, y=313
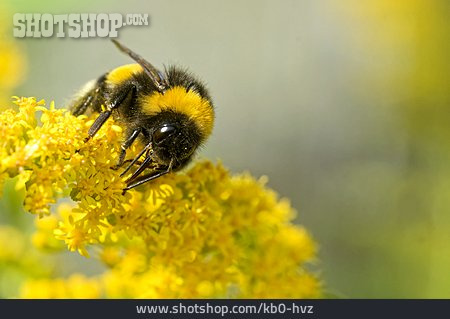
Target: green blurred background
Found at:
x=344, y=105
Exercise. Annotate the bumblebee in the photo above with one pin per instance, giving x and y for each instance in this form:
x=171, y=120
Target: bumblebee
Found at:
x=170, y=112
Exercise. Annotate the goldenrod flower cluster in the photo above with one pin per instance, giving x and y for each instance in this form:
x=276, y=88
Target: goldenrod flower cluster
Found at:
x=193, y=234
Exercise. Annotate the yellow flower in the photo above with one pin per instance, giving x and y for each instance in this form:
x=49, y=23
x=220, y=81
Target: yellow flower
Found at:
x=198, y=233
x=12, y=244
x=76, y=286
x=17, y=261
x=13, y=63
x=43, y=237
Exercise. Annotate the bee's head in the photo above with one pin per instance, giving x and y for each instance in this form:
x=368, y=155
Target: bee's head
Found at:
x=174, y=138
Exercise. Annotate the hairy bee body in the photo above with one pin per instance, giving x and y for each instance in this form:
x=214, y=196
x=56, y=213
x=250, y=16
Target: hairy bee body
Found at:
x=171, y=113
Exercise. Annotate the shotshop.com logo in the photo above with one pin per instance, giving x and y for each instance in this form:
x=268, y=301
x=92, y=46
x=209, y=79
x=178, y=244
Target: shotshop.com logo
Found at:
x=74, y=25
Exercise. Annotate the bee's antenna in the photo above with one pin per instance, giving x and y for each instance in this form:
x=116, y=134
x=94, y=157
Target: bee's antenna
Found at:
x=156, y=76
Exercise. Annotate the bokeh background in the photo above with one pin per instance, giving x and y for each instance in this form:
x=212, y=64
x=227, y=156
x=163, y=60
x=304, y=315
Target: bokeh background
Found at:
x=344, y=105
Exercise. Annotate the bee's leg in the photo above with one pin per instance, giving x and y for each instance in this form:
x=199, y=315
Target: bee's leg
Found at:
x=126, y=94
x=131, y=160
x=147, y=178
x=99, y=121
x=134, y=161
x=128, y=142
x=150, y=177
x=146, y=163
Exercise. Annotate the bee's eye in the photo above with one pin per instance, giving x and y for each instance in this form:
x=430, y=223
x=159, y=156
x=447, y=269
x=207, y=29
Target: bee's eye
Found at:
x=163, y=132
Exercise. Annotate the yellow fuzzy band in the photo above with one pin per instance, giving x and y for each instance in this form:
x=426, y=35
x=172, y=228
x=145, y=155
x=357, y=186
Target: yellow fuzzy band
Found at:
x=123, y=73
x=177, y=99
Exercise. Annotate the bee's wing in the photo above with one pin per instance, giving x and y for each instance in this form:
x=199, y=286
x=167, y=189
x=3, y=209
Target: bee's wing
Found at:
x=155, y=75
